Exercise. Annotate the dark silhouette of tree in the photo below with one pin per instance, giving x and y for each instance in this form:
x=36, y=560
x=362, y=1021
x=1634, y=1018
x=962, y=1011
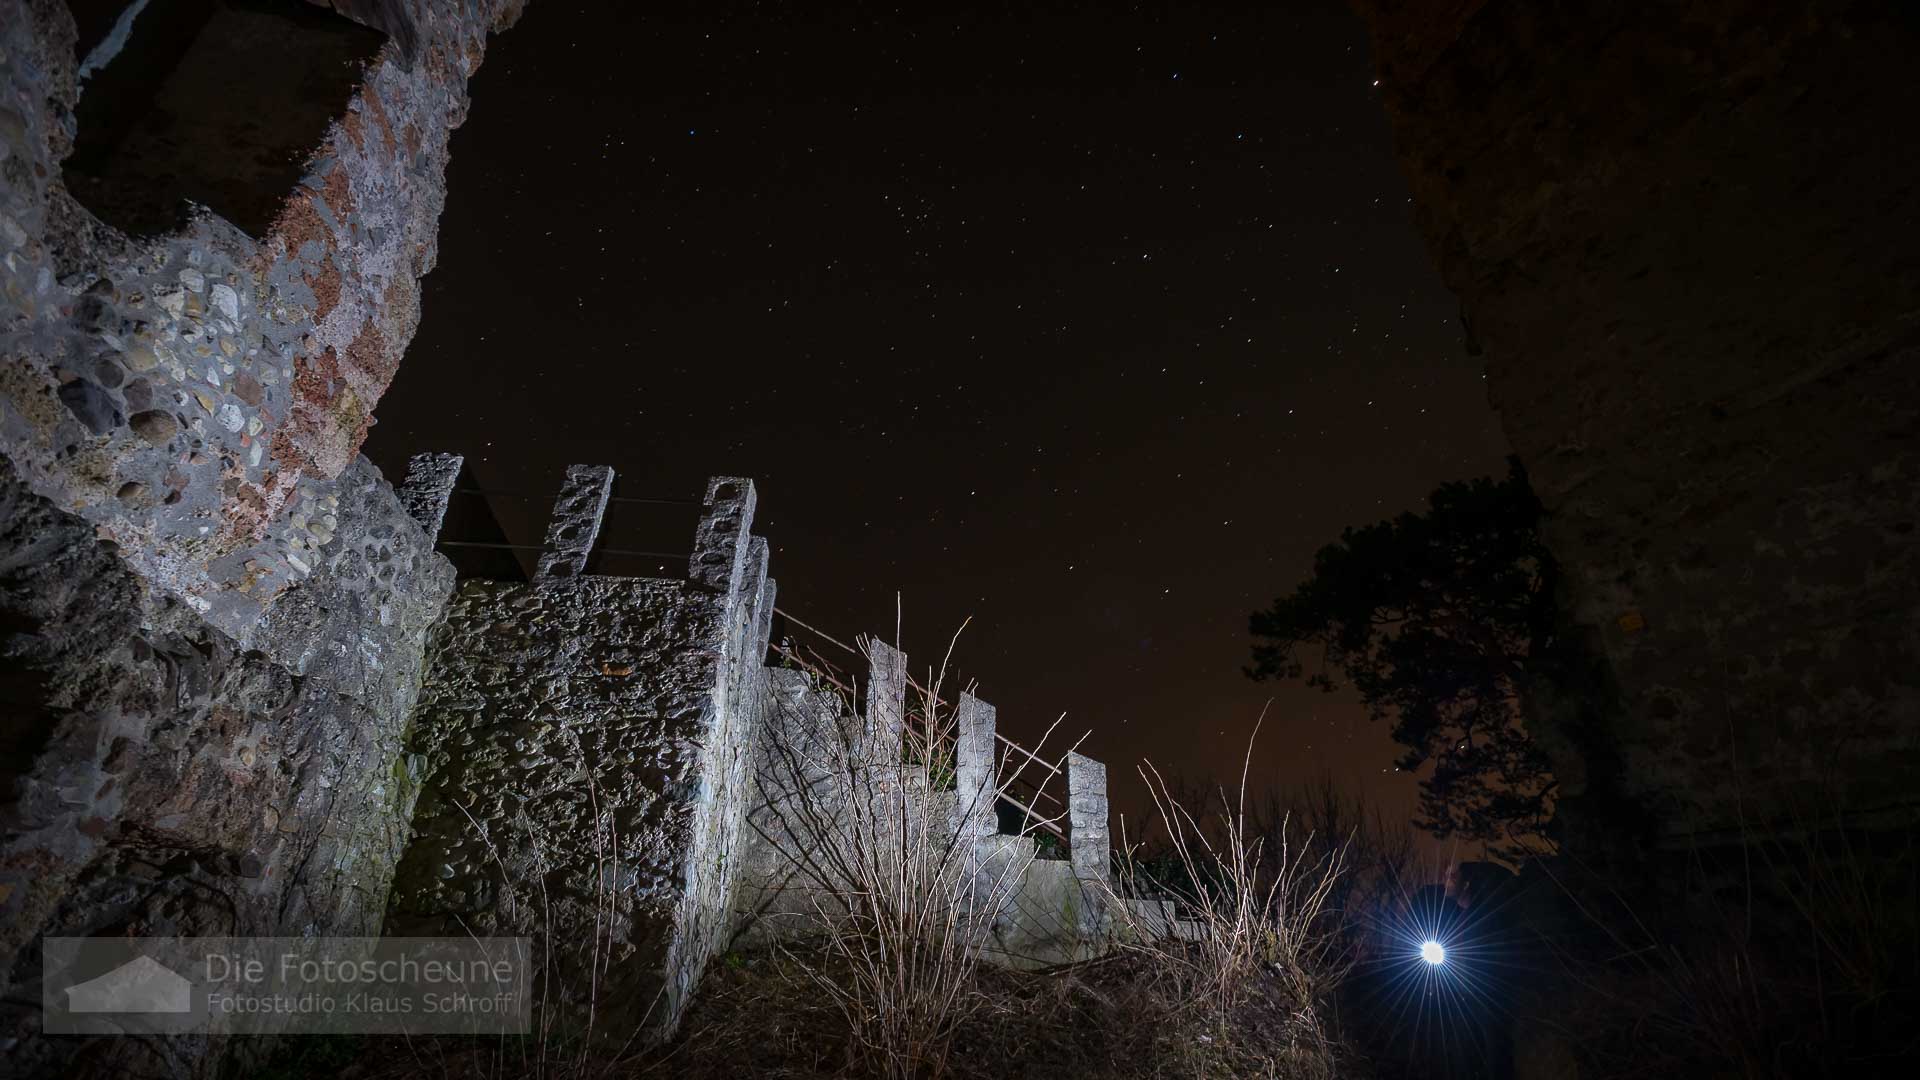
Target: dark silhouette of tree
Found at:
x=1440, y=620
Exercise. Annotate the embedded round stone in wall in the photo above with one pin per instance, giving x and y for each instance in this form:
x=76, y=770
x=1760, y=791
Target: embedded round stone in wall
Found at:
x=156, y=426
x=90, y=405
x=107, y=373
x=139, y=357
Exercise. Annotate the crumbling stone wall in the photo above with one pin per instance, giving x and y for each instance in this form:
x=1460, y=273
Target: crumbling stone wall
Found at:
x=584, y=739
x=610, y=768
x=1685, y=237
x=706, y=913
x=194, y=394
x=829, y=784
x=806, y=731
x=168, y=780
x=215, y=610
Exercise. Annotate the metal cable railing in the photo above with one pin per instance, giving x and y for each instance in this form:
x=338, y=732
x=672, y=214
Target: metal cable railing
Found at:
x=547, y=547
x=654, y=500
x=598, y=550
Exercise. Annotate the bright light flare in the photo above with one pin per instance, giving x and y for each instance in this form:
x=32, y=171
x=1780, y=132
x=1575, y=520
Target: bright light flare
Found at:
x=1433, y=952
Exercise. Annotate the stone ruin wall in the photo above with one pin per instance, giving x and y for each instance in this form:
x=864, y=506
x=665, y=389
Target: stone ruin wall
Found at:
x=216, y=612
x=188, y=785
x=814, y=745
x=194, y=395
x=1689, y=246
x=584, y=739
x=727, y=790
x=225, y=614
x=595, y=753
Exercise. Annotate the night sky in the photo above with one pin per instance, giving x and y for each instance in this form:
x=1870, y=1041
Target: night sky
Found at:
x=1091, y=327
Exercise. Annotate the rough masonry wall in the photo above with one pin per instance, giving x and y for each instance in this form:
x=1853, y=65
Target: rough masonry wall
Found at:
x=215, y=611
x=706, y=917
x=827, y=784
x=195, y=395
x=586, y=741
x=1687, y=238
x=561, y=730
x=1091, y=848
x=806, y=741
x=171, y=781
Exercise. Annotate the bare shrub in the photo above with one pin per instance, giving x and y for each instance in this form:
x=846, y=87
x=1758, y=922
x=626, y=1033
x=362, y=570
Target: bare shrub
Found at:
x=877, y=970
x=1378, y=858
x=896, y=896
x=1230, y=913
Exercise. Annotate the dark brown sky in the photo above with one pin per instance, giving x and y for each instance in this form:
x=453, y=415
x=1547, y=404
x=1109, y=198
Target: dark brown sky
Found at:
x=1091, y=327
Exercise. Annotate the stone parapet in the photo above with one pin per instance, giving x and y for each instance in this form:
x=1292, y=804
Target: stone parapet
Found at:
x=575, y=525
x=586, y=746
x=1090, y=847
x=978, y=788
x=429, y=488
x=885, y=710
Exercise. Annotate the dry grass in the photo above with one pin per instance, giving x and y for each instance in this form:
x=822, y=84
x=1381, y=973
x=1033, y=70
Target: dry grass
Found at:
x=1235, y=913
x=761, y=1015
x=896, y=901
x=879, y=971
x=758, y=1016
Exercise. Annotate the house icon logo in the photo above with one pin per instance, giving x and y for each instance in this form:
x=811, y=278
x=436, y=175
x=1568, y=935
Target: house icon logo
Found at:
x=141, y=985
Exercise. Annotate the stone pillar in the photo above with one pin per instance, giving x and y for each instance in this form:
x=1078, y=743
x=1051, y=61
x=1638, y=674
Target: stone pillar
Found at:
x=974, y=723
x=886, y=702
x=720, y=542
x=762, y=629
x=727, y=577
x=751, y=621
x=1091, y=849
x=747, y=625
x=428, y=488
x=730, y=564
x=576, y=521
x=756, y=605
